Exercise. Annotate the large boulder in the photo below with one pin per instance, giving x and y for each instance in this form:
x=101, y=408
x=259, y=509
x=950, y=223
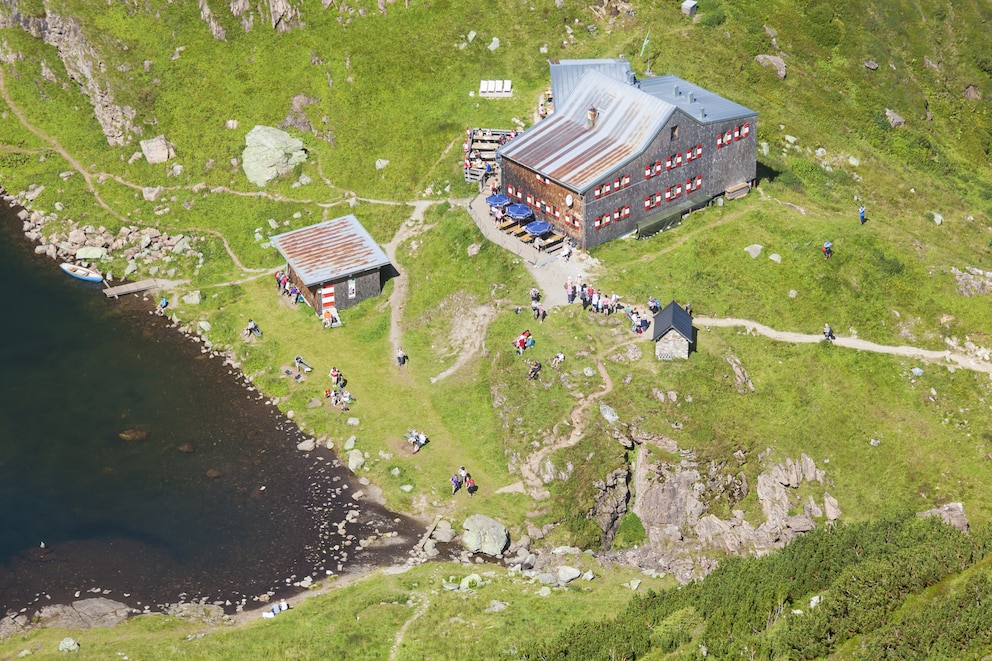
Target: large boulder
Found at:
x=270, y=152
x=157, y=149
x=485, y=535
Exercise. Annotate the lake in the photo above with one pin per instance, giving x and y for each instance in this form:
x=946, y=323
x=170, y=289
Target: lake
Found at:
x=141, y=518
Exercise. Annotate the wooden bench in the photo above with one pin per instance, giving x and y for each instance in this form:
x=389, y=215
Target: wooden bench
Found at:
x=518, y=232
x=506, y=224
x=554, y=242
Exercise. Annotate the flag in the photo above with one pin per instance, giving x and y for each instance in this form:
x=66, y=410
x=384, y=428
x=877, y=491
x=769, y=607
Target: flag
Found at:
x=647, y=40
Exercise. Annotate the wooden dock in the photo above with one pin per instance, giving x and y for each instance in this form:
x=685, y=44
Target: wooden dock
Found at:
x=135, y=287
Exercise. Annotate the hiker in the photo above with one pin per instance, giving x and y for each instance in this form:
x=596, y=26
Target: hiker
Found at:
x=535, y=369
x=828, y=249
x=455, y=484
x=542, y=314
x=535, y=294
x=164, y=303
x=539, y=244
x=462, y=474
x=688, y=308
x=861, y=214
x=566, y=252
x=828, y=332
x=635, y=322
x=253, y=329
x=336, y=378
x=401, y=357
x=302, y=365
x=558, y=359
x=470, y=485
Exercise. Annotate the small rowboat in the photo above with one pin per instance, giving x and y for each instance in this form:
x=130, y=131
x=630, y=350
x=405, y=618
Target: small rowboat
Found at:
x=81, y=272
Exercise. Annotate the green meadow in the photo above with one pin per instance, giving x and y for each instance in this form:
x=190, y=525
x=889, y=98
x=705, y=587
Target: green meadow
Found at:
x=400, y=85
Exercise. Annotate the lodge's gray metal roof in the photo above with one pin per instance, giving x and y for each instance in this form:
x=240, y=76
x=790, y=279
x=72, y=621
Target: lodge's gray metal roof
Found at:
x=672, y=316
x=330, y=250
x=699, y=103
x=566, y=74
x=565, y=148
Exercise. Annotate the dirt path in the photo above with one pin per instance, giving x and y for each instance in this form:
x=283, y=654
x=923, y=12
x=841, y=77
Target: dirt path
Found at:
x=468, y=332
x=76, y=165
x=399, y=634
x=930, y=356
x=532, y=484
x=401, y=285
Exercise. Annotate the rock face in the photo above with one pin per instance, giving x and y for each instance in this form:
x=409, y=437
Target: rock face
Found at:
x=84, y=614
x=485, y=535
x=82, y=64
x=270, y=152
x=610, y=503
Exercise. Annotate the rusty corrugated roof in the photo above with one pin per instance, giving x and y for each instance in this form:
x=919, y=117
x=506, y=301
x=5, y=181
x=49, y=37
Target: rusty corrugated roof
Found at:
x=330, y=250
x=565, y=148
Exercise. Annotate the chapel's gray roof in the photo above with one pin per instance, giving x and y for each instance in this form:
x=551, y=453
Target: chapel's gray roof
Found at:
x=330, y=250
x=672, y=316
x=565, y=148
x=566, y=74
x=698, y=102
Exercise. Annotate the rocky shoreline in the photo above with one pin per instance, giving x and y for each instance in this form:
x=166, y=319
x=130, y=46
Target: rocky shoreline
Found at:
x=366, y=535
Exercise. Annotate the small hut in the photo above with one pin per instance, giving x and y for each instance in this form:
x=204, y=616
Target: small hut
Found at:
x=335, y=264
x=673, y=333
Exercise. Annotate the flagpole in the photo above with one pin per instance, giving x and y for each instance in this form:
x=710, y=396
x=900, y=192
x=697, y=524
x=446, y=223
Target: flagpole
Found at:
x=647, y=72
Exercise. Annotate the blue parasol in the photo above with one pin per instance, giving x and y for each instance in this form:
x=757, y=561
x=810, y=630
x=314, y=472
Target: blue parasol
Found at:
x=538, y=227
x=519, y=211
x=499, y=200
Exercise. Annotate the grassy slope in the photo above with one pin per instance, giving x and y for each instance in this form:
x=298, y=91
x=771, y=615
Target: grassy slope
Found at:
x=410, y=114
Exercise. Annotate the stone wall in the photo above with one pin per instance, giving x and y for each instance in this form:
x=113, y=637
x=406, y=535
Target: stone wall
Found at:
x=671, y=345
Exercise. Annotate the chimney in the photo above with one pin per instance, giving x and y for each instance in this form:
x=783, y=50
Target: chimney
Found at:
x=702, y=113
x=692, y=97
x=591, y=117
x=675, y=90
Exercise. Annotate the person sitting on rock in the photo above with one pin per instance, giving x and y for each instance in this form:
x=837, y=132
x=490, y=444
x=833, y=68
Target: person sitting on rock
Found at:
x=535, y=369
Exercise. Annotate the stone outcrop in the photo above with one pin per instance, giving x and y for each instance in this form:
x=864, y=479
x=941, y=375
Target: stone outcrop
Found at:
x=772, y=61
x=895, y=121
x=952, y=514
x=84, y=614
x=270, y=152
x=82, y=64
x=610, y=503
x=485, y=535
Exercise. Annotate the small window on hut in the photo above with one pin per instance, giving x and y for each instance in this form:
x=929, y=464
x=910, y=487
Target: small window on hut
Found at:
x=675, y=133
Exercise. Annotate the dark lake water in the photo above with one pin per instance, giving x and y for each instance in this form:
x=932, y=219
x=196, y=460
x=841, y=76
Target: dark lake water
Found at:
x=142, y=518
